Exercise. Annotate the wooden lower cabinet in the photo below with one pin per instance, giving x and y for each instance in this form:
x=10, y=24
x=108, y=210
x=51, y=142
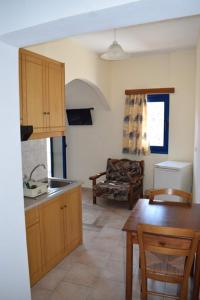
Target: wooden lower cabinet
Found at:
x=34, y=245
x=58, y=232
x=52, y=231
x=73, y=218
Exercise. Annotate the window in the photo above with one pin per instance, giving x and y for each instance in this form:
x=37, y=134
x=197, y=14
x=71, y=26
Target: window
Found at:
x=158, y=122
x=49, y=158
x=56, y=157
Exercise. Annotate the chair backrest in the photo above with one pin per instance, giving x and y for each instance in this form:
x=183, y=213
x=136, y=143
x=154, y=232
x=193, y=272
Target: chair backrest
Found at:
x=166, y=244
x=186, y=197
x=123, y=169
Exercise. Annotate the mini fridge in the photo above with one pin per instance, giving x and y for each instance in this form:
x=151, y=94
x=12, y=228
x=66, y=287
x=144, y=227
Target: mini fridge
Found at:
x=173, y=174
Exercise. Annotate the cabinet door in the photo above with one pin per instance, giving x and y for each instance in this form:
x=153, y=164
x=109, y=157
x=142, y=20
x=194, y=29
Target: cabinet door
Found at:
x=56, y=96
x=33, y=91
x=34, y=252
x=52, y=229
x=73, y=217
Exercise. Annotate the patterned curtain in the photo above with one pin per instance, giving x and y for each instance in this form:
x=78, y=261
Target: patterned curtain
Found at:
x=135, y=125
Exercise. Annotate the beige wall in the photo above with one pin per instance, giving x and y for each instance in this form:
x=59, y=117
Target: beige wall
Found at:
x=176, y=69
x=90, y=146
x=79, y=62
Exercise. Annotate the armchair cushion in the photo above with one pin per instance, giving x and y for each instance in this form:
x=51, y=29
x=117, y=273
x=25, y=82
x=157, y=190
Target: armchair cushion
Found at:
x=115, y=190
x=122, y=170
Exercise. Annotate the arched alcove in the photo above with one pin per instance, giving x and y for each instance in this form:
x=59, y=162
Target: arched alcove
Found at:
x=82, y=93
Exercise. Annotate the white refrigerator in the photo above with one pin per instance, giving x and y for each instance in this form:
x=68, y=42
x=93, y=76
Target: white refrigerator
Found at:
x=173, y=174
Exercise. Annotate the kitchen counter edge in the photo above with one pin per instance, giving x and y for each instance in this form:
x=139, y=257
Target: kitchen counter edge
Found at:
x=31, y=203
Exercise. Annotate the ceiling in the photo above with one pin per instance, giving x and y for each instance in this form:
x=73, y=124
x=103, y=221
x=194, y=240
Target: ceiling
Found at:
x=159, y=36
x=43, y=21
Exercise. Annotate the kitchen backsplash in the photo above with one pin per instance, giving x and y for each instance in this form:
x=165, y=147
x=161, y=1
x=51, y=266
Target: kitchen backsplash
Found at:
x=34, y=152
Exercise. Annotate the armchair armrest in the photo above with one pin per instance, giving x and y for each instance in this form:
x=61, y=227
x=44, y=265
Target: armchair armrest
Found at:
x=97, y=175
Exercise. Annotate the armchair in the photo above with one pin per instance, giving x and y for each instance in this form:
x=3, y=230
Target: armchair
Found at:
x=123, y=181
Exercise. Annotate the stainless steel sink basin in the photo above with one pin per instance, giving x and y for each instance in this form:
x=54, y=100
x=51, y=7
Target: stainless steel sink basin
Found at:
x=56, y=183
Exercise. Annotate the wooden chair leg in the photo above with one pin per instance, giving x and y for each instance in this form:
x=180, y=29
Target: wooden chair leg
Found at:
x=94, y=193
x=141, y=193
x=130, y=206
x=130, y=202
x=130, y=199
x=192, y=270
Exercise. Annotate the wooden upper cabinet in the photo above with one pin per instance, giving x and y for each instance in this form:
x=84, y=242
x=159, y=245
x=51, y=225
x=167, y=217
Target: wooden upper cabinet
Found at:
x=33, y=90
x=41, y=94
x=56, y=95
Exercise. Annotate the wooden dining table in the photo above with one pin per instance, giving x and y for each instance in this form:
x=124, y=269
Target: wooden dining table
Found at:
x=161, y=215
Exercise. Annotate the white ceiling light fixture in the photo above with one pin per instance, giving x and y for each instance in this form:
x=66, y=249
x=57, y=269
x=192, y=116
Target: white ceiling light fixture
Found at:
x=115, y=51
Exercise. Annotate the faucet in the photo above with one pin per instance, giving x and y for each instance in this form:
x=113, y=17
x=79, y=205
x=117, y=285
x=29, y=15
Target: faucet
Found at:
x=39, y=165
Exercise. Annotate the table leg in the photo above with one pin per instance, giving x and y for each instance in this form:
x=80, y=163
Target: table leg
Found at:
x=129, y=265
x=195, y=295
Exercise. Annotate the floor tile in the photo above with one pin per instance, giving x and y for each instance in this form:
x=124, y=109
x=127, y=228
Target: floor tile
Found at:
x=111, y=234
x=104, y=245
x=92, y=257
x=52, y=279
x=114, y=270
x=70, y=291
x=40, y=294
x=82, y=274
x=107, y=290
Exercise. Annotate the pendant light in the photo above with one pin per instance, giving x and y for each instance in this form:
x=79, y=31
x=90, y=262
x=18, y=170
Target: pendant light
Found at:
x=115, y=51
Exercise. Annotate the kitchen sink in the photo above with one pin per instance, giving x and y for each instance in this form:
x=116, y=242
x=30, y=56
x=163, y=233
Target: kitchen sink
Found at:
x=56, y=183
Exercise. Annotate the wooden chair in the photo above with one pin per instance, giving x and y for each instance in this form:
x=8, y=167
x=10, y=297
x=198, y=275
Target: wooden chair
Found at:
x=160, y=248
x=186, y=197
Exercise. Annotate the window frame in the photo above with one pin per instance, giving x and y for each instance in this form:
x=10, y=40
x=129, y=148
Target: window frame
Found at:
x=64, y=161
x=161, y=98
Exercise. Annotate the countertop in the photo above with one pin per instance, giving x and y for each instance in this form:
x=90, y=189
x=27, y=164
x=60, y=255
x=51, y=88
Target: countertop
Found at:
x=33, y=202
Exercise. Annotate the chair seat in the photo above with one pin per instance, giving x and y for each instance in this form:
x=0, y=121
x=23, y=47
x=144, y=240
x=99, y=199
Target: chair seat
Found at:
x=165, y=264
x=116, y=190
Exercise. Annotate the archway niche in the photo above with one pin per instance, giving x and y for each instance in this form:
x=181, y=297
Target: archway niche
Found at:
x=81, y=93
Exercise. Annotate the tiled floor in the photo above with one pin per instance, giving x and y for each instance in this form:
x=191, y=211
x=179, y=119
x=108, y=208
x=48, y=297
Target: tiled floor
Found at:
x=95, y=270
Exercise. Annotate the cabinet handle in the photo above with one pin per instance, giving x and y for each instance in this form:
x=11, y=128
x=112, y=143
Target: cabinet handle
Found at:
x=44, y=113
x=62, y=207
x=65, y=205
x=48, y=113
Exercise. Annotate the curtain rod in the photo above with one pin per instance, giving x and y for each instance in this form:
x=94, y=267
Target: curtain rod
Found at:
x=170, y=90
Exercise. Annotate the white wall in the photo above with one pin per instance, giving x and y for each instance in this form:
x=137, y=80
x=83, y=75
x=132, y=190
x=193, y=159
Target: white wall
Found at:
x=34, y=152
x=90, y=146
x=197, y=129
x=14, y=283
